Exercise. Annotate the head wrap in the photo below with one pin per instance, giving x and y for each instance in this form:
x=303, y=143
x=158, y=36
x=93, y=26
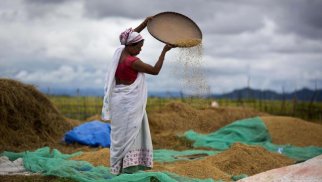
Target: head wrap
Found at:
x=130, y=37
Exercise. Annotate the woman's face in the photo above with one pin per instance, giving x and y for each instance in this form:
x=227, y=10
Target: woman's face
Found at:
x=136, y=49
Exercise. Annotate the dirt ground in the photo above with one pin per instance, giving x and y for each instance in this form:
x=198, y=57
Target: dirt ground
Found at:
x=239, y=159
x=30, y=121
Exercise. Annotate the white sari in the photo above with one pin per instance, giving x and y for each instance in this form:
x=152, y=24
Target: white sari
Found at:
x=124, y=105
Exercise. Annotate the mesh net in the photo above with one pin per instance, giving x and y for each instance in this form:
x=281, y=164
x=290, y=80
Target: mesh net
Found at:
x=164, y=155
x=55, y=163
x=251, y=131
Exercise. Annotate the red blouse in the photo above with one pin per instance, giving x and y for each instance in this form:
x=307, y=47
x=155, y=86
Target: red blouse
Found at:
x=124, y=70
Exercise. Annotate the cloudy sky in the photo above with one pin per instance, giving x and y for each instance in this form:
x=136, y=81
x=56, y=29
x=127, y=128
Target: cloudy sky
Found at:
x=267, y=44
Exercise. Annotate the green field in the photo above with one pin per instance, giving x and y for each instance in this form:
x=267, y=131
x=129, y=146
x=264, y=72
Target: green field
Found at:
x=83, y=107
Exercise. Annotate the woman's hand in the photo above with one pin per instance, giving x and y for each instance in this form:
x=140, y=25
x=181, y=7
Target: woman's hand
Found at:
x=147, y=19
x=168, y=47
x=143, y=24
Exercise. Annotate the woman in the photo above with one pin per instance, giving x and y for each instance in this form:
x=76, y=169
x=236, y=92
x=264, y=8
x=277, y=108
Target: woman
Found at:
x=125, y=101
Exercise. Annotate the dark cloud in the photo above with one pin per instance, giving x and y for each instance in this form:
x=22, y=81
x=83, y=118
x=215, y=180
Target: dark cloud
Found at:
x=14, y=66
x=38, y=9
x=120, y=8
x=279, y=40
x=213, y=16
x=213, y=72
x=302, y=17
x=46, y=1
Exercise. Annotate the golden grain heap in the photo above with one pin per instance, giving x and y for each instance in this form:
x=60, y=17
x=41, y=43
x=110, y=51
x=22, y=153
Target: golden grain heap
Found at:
x=99, y=157
x=294, y=131
x=187, y=42
x=239, y=159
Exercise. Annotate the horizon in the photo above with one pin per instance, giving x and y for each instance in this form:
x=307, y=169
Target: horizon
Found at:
x=174, y=93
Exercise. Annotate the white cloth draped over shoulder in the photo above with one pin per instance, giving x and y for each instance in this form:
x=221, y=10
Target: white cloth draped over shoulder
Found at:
x=125, y=106
x=110, y=83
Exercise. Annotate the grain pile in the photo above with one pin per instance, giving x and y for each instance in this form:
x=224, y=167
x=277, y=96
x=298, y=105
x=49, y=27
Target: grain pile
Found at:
x=187, y=42
x=245, y=159
x=239, y=159
x=289, y=130
x=98, y=157
x=193, y=169
x=28, y=118
x=177, y=117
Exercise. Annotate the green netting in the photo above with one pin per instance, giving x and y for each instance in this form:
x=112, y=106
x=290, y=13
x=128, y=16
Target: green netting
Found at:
x=57, y=164
x=164, y=155
x=155, y=176
x=250, y=131
x=238, y=177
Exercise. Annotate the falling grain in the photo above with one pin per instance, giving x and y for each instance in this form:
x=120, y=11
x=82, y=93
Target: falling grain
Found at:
x=189, y=71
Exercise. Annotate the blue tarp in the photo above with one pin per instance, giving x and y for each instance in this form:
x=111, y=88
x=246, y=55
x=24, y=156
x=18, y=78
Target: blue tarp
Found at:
x=94, y=133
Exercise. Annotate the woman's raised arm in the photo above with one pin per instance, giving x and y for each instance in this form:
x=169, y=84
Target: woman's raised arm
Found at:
x=153, y=70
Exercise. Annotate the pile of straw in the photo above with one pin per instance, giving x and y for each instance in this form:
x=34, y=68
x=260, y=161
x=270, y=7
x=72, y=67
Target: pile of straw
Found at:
x=28, y=118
